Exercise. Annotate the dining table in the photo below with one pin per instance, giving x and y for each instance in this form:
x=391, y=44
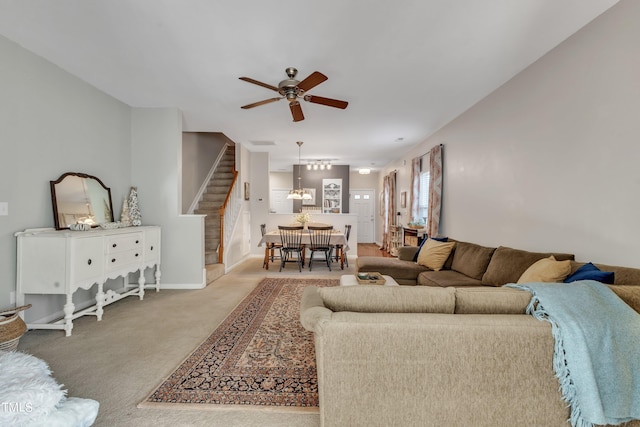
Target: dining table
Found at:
x=337, y=238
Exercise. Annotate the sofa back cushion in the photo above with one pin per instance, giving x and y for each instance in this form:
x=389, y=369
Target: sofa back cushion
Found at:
x=471, y=259
x=508, y=264
x=433, y=254
x=485, y=300
x=623, y=275
x=389, y=299
x=546, y=270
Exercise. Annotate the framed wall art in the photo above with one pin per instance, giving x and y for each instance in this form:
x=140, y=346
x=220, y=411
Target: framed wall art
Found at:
x=312, y=200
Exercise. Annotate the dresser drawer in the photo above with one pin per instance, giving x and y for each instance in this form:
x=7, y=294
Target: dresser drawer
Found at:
x=115, y=261
x=124, y=242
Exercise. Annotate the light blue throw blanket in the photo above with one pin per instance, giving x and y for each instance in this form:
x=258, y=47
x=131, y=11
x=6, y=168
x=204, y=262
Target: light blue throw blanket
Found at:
x=597, y=349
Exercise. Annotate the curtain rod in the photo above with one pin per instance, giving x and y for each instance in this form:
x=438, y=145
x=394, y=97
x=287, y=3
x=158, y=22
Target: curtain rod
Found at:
x=441, y=145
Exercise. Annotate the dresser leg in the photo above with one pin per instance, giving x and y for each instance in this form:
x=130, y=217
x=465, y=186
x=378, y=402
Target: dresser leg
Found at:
x=99, y=302
x=158, y=275
x=69, y=308
x=141, y=282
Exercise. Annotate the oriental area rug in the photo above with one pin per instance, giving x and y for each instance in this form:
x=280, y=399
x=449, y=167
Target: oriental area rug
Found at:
x=259, y=357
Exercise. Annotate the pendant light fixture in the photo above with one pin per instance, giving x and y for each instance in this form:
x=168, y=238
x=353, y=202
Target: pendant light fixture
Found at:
x=299, y=193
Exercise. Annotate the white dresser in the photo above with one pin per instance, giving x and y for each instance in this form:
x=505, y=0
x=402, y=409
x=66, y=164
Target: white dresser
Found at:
x=61, y=261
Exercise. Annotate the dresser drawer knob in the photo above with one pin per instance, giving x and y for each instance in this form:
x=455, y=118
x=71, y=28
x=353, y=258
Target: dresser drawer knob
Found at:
x=113, y=260
x=114, y=245
x=136, y=255
x=151, y=247
x=89, y=261
x=137, y=241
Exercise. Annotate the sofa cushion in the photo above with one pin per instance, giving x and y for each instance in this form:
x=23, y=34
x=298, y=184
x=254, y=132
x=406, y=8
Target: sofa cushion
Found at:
x=439, y=239
x=404, y=272
x=486, y=300
x=623, y=275
x=388, y=299
x=434, y=254
x=446, y=278
x=546, y=270
x=408, y=253
x=471, y=259
x=507, y=264
x=628, y=294
x=591, y=272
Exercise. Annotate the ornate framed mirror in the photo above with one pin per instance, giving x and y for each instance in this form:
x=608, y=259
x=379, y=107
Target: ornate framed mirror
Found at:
x=80, y=198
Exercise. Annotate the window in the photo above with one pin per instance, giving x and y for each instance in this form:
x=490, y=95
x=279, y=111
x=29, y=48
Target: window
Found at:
x=423, y=201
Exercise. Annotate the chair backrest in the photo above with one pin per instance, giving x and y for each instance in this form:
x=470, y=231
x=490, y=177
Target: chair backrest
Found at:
x=291, y=236
x=263, y=229
x=347, y=231
x=320, y=236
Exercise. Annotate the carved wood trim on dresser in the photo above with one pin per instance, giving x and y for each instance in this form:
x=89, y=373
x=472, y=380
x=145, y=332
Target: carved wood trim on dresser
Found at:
x=59, y=262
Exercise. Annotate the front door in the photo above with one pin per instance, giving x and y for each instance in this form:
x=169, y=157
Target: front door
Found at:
x=362, y=203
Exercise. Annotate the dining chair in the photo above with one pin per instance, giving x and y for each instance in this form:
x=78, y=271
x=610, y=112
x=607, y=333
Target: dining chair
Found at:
x=291, y=237
x=320, y=238
x=340, y=252
x=270, y=247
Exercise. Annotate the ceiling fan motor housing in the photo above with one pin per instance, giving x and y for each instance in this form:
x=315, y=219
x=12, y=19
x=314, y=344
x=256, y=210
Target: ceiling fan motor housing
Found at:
x=289, y=89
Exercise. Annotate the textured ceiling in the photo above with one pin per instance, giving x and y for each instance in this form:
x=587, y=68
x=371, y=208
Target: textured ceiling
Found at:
x=406, y=67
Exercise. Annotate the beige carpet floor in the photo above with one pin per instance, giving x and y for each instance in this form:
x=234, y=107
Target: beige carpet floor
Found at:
x=121, y=359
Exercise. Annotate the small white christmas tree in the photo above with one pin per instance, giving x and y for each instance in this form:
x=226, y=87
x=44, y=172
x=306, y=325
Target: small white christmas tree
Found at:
x=134, y=210
x=125, y=219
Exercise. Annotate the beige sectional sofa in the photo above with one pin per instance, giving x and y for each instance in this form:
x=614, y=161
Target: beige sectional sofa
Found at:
x=434, y=356
x=470, y=264
x=457, y=351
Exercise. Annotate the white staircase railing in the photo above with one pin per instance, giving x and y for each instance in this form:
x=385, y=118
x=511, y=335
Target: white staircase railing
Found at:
x=229, y=213
x=205, y=183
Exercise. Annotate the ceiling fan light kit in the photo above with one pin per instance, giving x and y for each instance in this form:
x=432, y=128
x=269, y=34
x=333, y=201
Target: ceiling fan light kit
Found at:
x=292, y=89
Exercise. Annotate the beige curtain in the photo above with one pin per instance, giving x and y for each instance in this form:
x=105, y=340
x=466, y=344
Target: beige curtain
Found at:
x=415, y=188
x=389, y=209
x=435, y=190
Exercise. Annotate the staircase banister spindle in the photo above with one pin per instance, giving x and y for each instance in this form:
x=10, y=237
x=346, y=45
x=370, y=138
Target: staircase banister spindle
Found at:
x=223, y=212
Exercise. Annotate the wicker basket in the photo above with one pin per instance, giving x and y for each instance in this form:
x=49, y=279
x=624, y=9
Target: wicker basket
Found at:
x=12, y=327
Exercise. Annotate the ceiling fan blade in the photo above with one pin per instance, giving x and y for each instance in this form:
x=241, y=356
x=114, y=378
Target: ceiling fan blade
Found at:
x=296, y=111
x=259, y=103
x=326, y=101
x=255, y=82
x=312, y=81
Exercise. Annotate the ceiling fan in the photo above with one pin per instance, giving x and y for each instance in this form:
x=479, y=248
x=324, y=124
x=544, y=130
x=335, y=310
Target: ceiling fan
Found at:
x=292, y=89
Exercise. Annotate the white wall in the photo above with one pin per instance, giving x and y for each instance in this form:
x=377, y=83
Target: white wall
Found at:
x=259, y=203
x=281, y=179
x=199, y=152
x=50, y=123
x=549, y=160
x=157, y=169
x=237, y=249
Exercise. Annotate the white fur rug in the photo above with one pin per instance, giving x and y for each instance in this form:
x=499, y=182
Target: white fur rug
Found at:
x=30, y=396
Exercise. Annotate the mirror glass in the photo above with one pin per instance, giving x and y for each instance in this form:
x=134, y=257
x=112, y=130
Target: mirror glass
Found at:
x=80, y=198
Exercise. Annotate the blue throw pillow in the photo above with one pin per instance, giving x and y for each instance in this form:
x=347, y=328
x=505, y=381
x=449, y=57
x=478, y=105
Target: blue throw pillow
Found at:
x=439, y=239
x=591, y=272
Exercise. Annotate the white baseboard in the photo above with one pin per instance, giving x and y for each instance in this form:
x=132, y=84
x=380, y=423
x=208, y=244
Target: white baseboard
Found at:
x=200, y=285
